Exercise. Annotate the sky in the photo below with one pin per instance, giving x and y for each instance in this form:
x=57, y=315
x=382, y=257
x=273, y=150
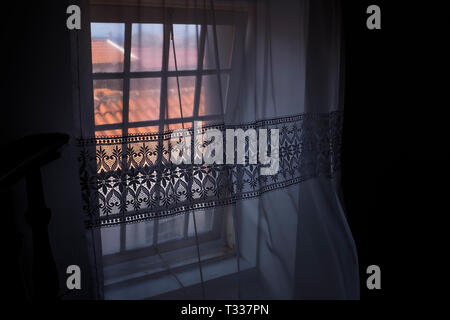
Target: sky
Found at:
x=149, y=32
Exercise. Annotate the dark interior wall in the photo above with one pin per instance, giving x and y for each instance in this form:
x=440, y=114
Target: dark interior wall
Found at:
x=383, y=178
x=39, y=100
x=361, y=51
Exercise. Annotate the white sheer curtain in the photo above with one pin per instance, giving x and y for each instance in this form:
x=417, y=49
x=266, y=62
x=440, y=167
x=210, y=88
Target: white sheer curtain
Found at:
x=290, y=243
x=303, y=245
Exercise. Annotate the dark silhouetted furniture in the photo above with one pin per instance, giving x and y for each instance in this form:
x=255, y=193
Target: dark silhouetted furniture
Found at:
x=23, y=159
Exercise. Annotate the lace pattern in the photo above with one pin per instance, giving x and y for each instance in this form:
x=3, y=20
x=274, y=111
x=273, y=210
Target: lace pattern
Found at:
x=131, y=179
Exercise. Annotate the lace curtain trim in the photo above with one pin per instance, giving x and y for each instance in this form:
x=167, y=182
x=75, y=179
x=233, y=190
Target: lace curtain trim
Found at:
x=131, y=179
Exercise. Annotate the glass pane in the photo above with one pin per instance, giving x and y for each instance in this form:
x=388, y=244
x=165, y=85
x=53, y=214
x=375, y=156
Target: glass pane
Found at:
x=143, y=130
x=144, y=99
x=108, y=101
x=139, y=235
x=175, y=126
x=224, y=44
x=146, y=47
x=185, y=46
x=107, y=47
x=170, y=228
x=209, y=95
x=187, y=90
x=110, y=240
x=108, y=133
x=203, y=220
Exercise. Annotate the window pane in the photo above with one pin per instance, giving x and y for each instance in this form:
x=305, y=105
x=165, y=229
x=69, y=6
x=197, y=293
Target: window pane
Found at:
x=108, y=133
x=144, y=99
x=185, y=46
x=176, y=126
x=143, y=130
x=107, y=47
x=203, y=220
x=108, y=101
x=139, y=235
x=209, y=95
x=110, y=240
x=187, y=89
x=146, y=47
x=224, y=44
x=170, y=228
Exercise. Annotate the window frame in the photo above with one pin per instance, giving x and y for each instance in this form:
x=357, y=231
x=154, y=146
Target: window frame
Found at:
x=202, y=17
x=135, y=15
x=164, y=75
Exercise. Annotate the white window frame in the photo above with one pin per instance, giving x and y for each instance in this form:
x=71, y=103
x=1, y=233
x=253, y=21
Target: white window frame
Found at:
x=128, y=16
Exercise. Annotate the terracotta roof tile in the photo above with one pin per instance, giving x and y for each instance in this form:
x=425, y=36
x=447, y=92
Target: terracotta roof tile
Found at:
x=144, y=103
x=103, y=51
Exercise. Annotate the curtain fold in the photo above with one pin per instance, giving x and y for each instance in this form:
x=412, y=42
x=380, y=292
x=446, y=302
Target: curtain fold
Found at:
x=234, y=232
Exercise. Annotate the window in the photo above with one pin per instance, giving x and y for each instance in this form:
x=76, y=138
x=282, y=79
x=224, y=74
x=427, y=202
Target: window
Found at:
x=135, y=85
x=137, y=79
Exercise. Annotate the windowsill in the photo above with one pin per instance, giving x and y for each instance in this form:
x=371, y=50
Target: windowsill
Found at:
x=148, y=277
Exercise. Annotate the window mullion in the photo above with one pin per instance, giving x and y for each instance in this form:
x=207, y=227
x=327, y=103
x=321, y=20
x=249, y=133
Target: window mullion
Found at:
x=165, y=63
x=125, y=103
x=126, y=77
x=162, y=113
x=155, y=74
x=198, y=82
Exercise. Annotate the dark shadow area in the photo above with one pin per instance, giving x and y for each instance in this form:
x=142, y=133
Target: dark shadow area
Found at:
x=37, y=99
x=383, y=143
